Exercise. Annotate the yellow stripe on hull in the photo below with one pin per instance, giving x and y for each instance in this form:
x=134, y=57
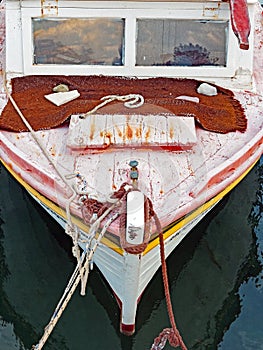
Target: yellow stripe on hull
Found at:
x=167, y=232
x=198, y=211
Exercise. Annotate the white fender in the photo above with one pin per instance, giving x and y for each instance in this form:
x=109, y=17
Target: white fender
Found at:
x=135, y=218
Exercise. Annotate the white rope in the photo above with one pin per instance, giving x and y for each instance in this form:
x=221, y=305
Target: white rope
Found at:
x=72, y=285
x=36, y=138
x=130, y=101
x=70, y=228
x=82, y=270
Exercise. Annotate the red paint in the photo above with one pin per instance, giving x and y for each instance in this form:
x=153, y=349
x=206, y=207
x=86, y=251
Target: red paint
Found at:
x=27, y=167
x=240, y=22
x=228, y=171
x=127, y=329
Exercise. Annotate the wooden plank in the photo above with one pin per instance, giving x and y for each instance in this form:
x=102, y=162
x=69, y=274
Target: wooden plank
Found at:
x=118, y=129
x=99, y=131
x=186, y=129
x=133, y=130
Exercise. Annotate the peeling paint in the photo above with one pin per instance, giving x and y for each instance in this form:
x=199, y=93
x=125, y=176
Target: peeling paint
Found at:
x=211, y=11
x=49, y=8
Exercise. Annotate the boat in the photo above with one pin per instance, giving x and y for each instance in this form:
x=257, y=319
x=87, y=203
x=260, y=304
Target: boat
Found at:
x=128, y=122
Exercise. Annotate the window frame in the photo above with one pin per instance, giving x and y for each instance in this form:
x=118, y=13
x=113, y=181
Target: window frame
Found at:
x=130, y=15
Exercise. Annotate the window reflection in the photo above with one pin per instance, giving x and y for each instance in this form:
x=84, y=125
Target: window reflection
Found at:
x=89, y=41
x=170, y=42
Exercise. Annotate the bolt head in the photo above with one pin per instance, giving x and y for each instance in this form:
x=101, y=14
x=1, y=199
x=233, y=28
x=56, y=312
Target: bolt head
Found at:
x=133, y=163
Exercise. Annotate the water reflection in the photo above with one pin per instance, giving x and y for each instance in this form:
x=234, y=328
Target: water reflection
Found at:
x=206, y=273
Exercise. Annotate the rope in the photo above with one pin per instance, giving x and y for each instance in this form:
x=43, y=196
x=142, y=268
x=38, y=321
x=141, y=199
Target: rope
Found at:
x=130, y=101
x=70, y=229
x=170, y=334
x=72, y=285
x=93, y=229
x=36, y=138
x=82, y=270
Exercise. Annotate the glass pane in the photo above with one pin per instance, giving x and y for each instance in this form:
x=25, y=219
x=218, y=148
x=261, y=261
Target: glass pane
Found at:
x=171, y=42
x=98, y=41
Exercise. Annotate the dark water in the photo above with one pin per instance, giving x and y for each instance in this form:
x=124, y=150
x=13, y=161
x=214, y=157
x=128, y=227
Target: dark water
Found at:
x=215, y=275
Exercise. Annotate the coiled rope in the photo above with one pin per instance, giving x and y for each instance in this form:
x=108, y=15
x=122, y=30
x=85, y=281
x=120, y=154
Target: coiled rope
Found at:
x=130, y=101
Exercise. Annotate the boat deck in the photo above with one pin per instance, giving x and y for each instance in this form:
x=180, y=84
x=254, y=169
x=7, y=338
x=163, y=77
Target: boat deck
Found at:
x=190, y=177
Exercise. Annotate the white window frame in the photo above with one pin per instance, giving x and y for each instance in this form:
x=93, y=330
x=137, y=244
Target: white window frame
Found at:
x=130, y=13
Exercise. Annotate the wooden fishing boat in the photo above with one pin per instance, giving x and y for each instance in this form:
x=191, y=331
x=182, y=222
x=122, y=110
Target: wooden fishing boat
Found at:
x=128, y=121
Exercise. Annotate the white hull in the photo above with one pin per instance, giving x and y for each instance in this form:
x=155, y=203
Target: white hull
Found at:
x=128, y=275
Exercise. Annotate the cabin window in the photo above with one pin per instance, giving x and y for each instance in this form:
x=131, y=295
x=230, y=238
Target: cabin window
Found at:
x=130, y=39
x=78, y=41
x=174, y=42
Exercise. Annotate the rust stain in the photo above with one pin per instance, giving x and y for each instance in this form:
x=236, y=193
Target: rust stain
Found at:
x=52, y=151
x=171, y=133
x=42, y=7
x=92, y=131
x=109, y=136
x=48, y=8
x=138, y=132
x=118, y=131
x=129, y=132
x=148, y=134
x=211, y=11
x=42, y=12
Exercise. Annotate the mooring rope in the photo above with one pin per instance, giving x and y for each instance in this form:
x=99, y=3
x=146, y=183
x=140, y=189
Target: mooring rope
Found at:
x=170, y=334
x=36, y=138
x=81, y=270
x=70, y=228
x=72, y=285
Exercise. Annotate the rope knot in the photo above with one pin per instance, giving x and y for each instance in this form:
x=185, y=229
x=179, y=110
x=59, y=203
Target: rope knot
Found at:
x=166, y=334
x=130, y=101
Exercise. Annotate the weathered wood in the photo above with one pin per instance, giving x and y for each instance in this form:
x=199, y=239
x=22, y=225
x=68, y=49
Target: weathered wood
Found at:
x=100, y=131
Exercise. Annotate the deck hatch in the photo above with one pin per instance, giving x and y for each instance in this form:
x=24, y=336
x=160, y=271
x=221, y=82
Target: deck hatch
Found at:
x=102, y=131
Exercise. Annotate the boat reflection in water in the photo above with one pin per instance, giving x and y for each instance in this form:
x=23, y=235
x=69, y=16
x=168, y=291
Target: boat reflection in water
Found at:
x=205, y=274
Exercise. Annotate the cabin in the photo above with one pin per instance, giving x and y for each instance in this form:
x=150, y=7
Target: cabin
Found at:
x=189, y=39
